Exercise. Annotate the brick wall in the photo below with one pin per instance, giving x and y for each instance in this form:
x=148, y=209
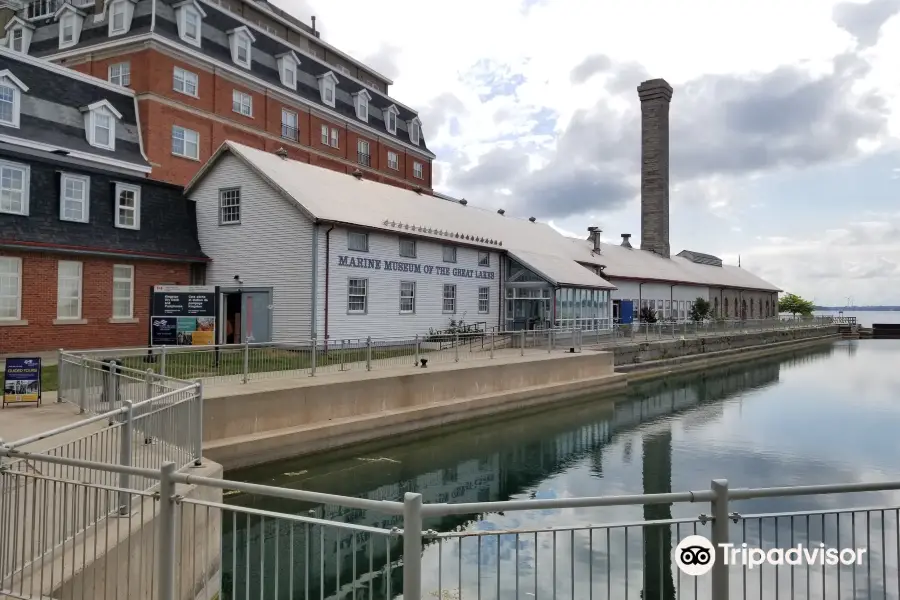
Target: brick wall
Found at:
x=39, y=289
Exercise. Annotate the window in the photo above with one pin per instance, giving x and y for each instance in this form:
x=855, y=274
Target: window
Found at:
x=361, y=102
x=414, y=131
x=190, y=18
x=449, y=305
x=242, y=103
x=74, y=198
x=67, y=30
x=362, y=153
x=103, y=130
x=100, y=124
x=327, y=87
x=357, y=241
x=14, y=185
x=117, y=20
x=325, y=134
x=10, y=95
x=123, y=292
x=390, y=119
x=330, y=136
x=120, y=74
x=185, y=142
x=417, y=170
x=484, y=300
x=289, y=125
x=230, y=206
x=450, y=254
x=128, y=206
x=393, y=160
x=287, y=68
x=68, y=290
x=357, y=300
x=243, y=51
x=10, y=288
x=184, y=81
x=334, y=138
x=18, y=39
x=484, y=259
x=407, y=247
x=407, y=297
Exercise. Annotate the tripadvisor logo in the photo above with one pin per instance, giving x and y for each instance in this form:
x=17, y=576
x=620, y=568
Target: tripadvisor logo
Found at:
x=695, y=555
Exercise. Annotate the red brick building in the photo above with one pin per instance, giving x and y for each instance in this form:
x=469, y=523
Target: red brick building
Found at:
x=205, y=72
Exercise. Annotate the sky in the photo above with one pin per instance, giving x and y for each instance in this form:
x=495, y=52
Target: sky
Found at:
x=784, y=120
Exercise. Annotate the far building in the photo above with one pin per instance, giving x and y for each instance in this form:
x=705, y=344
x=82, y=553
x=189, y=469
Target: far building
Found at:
x=207, y=71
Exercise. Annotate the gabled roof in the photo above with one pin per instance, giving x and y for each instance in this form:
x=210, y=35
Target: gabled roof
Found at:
x=67, y=7
x=7, y=74
x=328, y=196
x=289, y=54
x=245, y=30
x=193, y=4
x=102, y=104
x=16, y=20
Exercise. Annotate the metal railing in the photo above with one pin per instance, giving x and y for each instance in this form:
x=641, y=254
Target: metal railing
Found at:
x=289, y=132
x=241, y=363
x=363, y=159
x=586, y=552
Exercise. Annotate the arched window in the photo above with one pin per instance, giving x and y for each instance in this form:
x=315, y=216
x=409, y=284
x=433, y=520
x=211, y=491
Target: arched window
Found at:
x=716, y=306
x=751, y=309
x=726, y=308
x=743, y=309
x=767, y=307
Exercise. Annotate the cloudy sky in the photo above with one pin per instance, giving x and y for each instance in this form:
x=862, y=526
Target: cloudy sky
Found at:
x=784, y=120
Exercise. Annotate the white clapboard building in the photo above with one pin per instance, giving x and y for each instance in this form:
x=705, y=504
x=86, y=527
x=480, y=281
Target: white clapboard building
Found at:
x=299, y=251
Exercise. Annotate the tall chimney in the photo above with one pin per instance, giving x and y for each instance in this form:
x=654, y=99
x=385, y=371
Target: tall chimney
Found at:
x=655, y=96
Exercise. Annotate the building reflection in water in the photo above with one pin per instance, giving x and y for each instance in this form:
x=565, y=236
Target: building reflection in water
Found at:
x=499, y=461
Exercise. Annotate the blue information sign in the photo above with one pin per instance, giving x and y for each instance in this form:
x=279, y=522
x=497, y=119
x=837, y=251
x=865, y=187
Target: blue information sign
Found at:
x=22, y=381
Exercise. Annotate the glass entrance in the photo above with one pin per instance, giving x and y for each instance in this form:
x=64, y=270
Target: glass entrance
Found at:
x=527, y=308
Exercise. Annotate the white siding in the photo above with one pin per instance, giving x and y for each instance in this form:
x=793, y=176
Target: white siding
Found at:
x=271, y=247
x=383, y=317
x=633, y=290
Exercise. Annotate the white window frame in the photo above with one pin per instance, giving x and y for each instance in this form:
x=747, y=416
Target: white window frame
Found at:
x=363, y=148
x=98, y=117
x=484, y=258
x=451, y=287
x=484, y=296
x=390, y=119
x=393, y=160
x=70, y=18
x=364, y=295
x=26, y=186
x=136, y=190
x=85, y=181
x=123, y=5
x=8, y=80
x=444, y=250
x=14, y=274
x=361, y=103
x=130, y=281
x=242, y=103
x=290, y=120
x=365, y=237
x=287, y=69
x=410, y=287
x=241, y=38
x=59, y=280
x=228, y=194
x=418, y=171
x=184, y=137
x=407, y=241
x=335, y=138
x=12, y=39
x=186, y=9
x=328, y=88
x=120, y=73
x=415, y=131
x=184, y=78
x=325, y=133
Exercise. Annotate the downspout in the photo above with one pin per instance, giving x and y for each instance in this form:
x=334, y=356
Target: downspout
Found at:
x=674, y=308
x=327, y=271
x=501, y=305
x=741, y=305
x=152, y=16
x=314, y=302
x=640, y=300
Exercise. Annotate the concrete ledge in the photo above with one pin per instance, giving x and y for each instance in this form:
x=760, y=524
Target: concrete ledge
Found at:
x=249, y=450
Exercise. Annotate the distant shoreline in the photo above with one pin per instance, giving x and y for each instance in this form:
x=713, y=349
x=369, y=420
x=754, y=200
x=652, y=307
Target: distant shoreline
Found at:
x=859, y=308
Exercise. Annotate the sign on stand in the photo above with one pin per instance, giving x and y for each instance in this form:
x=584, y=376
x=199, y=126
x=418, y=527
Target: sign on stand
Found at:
x=183, y=315
x=22, y=381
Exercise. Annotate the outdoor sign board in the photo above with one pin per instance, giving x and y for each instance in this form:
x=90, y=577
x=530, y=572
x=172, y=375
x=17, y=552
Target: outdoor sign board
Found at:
x=183, y=315
x=22, y=381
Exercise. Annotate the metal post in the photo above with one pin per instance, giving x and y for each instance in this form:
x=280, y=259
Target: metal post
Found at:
x=111, y=386
x=523, y=342
x=148, y=382
x=312, y=364
x=61, y=372
x=82, y=396
x=412, y=546
x=719, y=509
x=492, y=343
x=197, y=442
x=369, y=353
x=166, y=555
x=342, y=355
x=162, y=362
x=246, y=360
x=125, y=442
x=416, y=363
x=456, y=346
x=550, y=341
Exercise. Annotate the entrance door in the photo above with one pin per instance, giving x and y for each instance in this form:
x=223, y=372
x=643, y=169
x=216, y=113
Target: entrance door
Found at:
x=256, y=316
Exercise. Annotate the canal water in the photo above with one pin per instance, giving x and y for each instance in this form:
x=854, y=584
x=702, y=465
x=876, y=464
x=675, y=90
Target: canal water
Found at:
x=823, y=415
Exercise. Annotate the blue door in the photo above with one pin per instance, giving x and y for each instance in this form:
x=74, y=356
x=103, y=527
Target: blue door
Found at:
x=626, y=311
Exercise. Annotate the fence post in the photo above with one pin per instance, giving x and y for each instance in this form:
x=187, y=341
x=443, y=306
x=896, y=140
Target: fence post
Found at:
x=416, y=362
x=412, y=546
x=162, y=362
x=456, y=346
x=550, y=341
x=125, y=442
x=719, y=509
x=492, y=343
x=61, y=374
x=342, y=355
x=369, y=353
x=166, y=555
x=111, y=385
x=148, y=382
x=523, y=342
x=312, y=365
x=82, y=396
x=246, y=360
x=197, y=442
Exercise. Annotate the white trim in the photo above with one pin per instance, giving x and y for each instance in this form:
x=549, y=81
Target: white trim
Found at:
x=328, y=83
x=288, y=62
x=16, y=110
x=124, y=63
x=185, y=154
x=414, y=124
x=235, y=37
x=90, y=124
x=237, y=103
x=395, y=164
x=77, y=317
x=15, y=319
x=27, y=30
x=127, y=16
x=361, y=101
x=184, y=81
x=16, y=20
x=390, y=110
x=418, y=170
x=127, y=187
x=76, y=17
x=182, y=10
x=45, y=63
x=102, y=104
x=26, y=186
x=85, y=200
x=103, y=160
x=7, y=74
x=130, y=280
x=218, y=65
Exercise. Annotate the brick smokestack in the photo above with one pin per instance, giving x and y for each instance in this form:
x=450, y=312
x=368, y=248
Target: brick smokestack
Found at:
x=655, y=96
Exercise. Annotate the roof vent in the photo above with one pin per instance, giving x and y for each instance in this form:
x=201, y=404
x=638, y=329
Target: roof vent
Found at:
x=532, y=219
x=358, y=174
x=418, y=190
x=594, y=237
x=463, y=201
x=625, y=242
x=501, y=212
x=282, y=153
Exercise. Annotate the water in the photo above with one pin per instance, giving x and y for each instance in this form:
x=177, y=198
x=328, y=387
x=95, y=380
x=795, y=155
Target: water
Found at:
x=865, y=317
x=826, y=415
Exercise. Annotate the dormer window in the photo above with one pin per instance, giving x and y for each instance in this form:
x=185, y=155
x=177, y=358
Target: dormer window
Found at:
x=327, y=88
x=100, y=124
x=361, y=103
x=70, y=22
x=189, y=17
x=287, y=69
x=241, y=40
x=16, y=41
x=120, y=13
x=415, y=131
x=11, y=89
x=18, y=35
x=390, y=119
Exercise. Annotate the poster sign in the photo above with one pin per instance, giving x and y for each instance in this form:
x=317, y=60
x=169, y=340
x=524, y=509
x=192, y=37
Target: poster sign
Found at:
x=183, y=315
x=22, y=381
